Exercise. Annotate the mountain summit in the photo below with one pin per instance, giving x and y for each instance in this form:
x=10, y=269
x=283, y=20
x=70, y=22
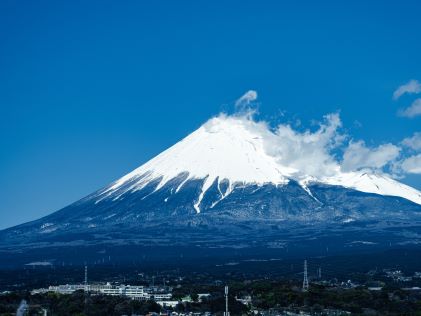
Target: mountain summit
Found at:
x=222, y=150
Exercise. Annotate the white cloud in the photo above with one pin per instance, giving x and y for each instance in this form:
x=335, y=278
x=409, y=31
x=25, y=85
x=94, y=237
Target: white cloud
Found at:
x=246, y=98
x=358, y=156
x=413, y=110
x=413, y=142
x=326, y=150
x=412, y=86
x=412, y=164
x=309, y=153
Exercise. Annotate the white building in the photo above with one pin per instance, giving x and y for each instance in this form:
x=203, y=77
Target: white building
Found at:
x=134, y=292
x=167, y=303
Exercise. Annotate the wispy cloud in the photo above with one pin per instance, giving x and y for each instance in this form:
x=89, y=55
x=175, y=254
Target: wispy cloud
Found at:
x=246, y=98
x=246, y=105
x=413, y=142
x=412, y=164
x=358, y=156
x=413, y=110
x=412, y=86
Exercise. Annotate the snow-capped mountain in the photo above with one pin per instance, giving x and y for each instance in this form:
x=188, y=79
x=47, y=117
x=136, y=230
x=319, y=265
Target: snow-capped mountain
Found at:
x=225, y=184
x=233, y=150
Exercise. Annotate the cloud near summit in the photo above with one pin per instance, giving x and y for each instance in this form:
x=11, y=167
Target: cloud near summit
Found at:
x=358, y=156
x=246, y=98
x=308, y=152
x=328, y=150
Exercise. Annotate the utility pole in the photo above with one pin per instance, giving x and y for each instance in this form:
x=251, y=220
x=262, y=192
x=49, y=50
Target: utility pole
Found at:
x=226, y=301
x=305, y=280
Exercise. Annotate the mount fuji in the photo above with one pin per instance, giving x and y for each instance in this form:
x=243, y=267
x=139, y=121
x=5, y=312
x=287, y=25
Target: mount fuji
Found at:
x=222, y=187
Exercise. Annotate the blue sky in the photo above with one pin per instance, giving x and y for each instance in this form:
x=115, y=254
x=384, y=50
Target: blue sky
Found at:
x=89, y=90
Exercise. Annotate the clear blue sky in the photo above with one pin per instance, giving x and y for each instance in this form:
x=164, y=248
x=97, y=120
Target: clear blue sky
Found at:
x=89, y=90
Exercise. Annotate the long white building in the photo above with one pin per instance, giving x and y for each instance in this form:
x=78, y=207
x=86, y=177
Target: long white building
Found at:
x=134, y=292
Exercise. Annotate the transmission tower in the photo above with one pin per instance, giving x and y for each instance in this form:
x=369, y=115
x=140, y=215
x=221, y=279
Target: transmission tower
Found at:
x=86, y=288
x=305, y=280
x=226, y=301
x=86, y=278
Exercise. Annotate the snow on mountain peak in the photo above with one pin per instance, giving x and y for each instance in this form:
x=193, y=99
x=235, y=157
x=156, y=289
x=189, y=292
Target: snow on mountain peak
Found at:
x=223, y=148
x=240, y=150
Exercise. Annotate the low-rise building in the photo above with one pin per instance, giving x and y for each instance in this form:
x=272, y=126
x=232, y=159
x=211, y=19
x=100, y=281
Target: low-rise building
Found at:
x=134, y=292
